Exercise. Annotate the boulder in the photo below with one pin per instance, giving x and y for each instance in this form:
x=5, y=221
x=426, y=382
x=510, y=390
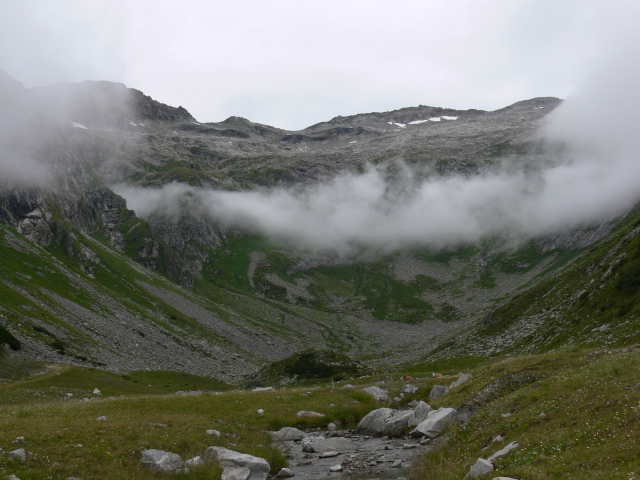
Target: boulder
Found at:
x=288, y=434
x=101, y=418
x=435, y=423
x=161, y=461
x=481, y=467
x=437, y=391
x=373, y=422
x=213, y=432
x=96, y=391
x=420, y=413
x=19, y=455
x=394, y=425
x=377, y=393
x=501, y=453
x=238, y=466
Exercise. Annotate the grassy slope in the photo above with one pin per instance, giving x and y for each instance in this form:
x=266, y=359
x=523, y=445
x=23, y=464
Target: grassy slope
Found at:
x=593, y=301
x=590, y=427
x=575, y=415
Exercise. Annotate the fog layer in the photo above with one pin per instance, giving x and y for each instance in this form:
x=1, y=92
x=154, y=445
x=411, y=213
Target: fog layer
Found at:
x=599, y=178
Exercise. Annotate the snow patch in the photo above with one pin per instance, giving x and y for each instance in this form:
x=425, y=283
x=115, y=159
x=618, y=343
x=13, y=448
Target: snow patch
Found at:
x=401, y=125
x=449, y=118
x=79, y=125
x=434, y=119
x=416, y=122
x=134, y=124
x=355, y=141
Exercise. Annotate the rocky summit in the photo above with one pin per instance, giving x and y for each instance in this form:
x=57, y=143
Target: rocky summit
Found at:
x=87, y=279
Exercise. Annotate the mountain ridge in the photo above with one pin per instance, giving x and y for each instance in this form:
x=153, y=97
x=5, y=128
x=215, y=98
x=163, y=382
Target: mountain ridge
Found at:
x=89, y=281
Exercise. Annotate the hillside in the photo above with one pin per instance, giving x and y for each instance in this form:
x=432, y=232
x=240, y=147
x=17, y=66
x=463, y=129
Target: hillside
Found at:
x=90, y=280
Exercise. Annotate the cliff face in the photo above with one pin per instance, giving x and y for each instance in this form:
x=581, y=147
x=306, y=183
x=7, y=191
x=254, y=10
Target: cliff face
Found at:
x=87, y=273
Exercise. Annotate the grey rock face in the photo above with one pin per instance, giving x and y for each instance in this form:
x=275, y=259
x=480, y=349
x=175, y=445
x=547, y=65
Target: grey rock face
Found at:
x=377, y=393
x=436, y=422
x=238, y=466
x=159, y=460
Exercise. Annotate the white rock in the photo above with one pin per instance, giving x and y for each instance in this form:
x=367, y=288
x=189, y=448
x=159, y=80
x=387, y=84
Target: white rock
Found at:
x=102, y=418
x=435, y=423
x=19, y=455
x=377, y=393
x=310, y=414
x=331, y=426
x=373, y=422
x=213, y=432
x=438, y=391
x=481, y=467
x=288, y=434
x=194, y=462
x=263, y=389
x=97, y=392
x=420, y=413
x=501, y=453
x=260, y=411
x=285, y=473
x=159, y=460
x=348, y=385
x=336, y=468
x=461, y=379
x=238, y=466
x=394, y=425
x=409, y=389
x=323, y=445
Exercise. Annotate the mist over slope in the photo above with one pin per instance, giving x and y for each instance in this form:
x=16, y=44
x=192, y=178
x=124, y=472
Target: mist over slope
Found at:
x=391, y=206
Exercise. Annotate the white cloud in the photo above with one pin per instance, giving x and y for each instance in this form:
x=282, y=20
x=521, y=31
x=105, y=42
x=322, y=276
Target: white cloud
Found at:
x=291, y=64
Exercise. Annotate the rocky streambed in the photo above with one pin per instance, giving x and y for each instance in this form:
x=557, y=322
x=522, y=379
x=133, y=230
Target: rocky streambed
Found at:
x=339, y=454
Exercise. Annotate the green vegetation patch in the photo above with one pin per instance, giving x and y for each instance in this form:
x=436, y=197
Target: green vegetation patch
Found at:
x=310, y=365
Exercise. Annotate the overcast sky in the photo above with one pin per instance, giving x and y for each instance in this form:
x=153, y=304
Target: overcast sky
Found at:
x=292, y=63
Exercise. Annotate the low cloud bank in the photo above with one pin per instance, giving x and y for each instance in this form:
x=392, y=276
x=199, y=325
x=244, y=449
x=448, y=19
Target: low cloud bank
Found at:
x=598, y=179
